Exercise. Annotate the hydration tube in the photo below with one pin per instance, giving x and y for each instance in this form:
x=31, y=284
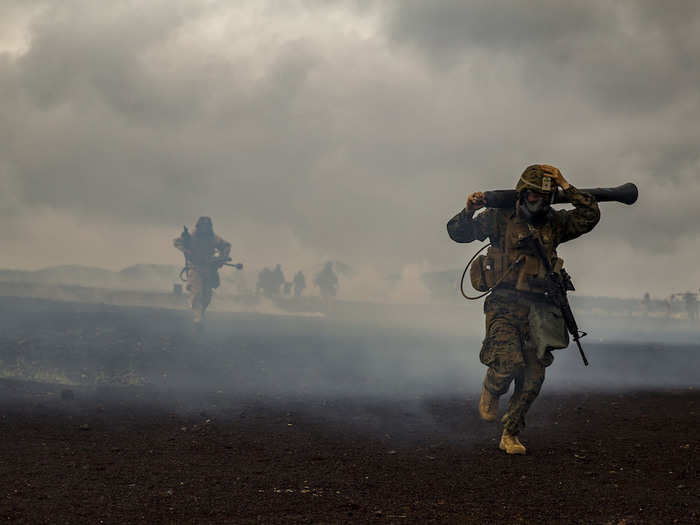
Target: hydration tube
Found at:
x=464, y=273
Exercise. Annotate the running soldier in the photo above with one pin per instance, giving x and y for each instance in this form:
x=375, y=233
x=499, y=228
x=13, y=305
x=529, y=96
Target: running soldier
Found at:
x=515, y=349
x=205, y=252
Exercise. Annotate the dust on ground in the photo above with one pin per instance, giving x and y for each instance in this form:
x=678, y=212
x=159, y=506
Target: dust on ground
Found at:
x=124, y=415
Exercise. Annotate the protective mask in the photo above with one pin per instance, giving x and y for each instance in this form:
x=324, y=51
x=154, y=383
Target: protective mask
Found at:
x=534, y=211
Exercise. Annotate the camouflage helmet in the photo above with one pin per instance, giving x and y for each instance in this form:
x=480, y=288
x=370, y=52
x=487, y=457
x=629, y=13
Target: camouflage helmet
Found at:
x=537, y=177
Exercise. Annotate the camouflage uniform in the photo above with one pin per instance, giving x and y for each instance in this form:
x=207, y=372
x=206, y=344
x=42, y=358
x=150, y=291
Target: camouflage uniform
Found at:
x=327, y=281
x=507, y=352
x=507, y=348
x=202, y=277
x=299, y=283
x=691, y=305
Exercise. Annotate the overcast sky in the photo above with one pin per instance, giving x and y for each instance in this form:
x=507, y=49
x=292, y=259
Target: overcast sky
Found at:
x=350, y=130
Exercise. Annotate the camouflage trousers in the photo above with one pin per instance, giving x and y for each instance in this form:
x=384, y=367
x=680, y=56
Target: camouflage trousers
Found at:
x=200, y=282
x=511, y=358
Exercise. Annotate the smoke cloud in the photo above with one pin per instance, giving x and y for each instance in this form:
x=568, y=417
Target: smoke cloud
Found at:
x=347, y=131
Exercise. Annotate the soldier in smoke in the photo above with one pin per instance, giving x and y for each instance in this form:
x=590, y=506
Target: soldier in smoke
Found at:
x=299, y=283
x=205, y=252
x=327, y=281
x=277, y=280
x=668, y=308
x=646, y=304
x=263, y=281
x=270, y=282
x=516, y=349
x=691, y=306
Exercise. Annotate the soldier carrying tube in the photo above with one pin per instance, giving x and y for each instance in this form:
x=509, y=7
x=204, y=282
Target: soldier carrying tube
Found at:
x=205, y=252
x=527, y=314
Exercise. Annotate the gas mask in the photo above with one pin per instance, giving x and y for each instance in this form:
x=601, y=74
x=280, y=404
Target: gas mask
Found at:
x=535, y=210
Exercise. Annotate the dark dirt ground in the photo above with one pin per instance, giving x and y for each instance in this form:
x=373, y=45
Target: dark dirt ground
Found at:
x=121, y=442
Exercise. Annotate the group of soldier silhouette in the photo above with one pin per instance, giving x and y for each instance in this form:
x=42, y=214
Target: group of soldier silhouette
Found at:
x=272, y=283
x=205, y=253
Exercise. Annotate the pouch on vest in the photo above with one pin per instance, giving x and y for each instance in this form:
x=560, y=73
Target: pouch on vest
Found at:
x=486, y=270
x=477, y=274
x=547, y=328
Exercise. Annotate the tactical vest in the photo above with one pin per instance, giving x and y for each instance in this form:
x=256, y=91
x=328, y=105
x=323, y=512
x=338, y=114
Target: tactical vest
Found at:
x=509, y=263
x=202, y=249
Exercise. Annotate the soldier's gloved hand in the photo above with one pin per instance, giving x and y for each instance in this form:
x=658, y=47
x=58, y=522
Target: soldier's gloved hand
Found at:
x=556, y=176
x=476, y=201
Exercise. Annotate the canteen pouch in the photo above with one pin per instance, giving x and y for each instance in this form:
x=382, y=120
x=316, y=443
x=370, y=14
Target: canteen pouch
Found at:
x=477, y=273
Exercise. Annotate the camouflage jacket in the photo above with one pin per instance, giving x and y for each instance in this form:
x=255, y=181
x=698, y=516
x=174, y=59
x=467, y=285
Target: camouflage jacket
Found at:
x=492, y=223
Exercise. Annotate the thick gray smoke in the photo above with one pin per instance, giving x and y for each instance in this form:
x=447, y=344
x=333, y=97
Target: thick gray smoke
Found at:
x=343, y=130
x=365, y=352
x=334, y=131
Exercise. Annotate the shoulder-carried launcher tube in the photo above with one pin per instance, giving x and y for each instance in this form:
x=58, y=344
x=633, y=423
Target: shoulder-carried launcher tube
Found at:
x=626, y=194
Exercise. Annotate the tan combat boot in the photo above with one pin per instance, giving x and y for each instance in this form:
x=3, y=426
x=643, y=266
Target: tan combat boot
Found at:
x=488, y=405
x=511, y=444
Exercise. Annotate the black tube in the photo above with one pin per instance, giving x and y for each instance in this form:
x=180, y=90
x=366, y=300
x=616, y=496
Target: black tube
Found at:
x=625, y=194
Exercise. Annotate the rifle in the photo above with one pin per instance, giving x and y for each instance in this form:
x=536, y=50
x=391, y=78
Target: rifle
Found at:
x=556, y=285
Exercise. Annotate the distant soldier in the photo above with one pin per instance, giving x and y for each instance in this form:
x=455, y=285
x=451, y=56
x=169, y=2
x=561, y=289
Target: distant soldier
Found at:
x=646, y=304
x=205, y=252
x=277, y=280
x=288, y=287
x=327, y=281
x=263, y=281
x=299, y=283
x=668, y=308
x=691, y=305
